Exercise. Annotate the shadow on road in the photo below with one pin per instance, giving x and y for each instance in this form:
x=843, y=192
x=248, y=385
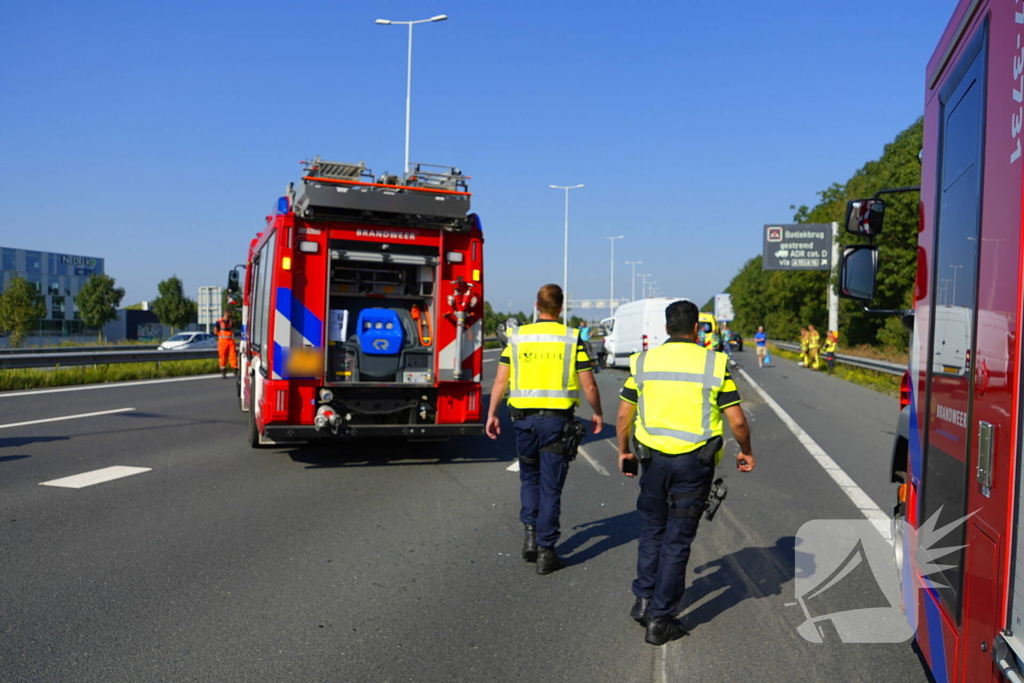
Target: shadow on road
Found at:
x=745, y=574
x=400, y=453
x=26, y=440
x=9, y=458
x=612, y=532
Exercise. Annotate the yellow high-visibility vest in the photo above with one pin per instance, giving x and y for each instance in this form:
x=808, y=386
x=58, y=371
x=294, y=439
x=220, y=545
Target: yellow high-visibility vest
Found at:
x=813, y=340
x=678, y=386
x=543, y=359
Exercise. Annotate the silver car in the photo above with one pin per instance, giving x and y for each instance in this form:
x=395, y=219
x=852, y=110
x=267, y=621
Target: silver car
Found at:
x=189, y=340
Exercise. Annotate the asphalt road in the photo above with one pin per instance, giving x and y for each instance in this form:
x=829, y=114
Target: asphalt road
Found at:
x=391, y=562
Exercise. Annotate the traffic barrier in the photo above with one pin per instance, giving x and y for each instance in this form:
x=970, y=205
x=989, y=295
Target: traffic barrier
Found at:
x=75, y=349
x=858, y=361
x=50, y=360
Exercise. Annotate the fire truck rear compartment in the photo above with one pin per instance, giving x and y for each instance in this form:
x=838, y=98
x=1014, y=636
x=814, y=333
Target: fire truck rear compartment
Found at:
x=381, y=321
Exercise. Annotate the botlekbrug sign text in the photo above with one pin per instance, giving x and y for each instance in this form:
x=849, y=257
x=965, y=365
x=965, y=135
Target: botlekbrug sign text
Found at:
x=804, y=246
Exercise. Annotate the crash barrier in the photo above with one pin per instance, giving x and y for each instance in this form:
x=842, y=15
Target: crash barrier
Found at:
x=65, y=359
x=75, y=349
x=858, y=361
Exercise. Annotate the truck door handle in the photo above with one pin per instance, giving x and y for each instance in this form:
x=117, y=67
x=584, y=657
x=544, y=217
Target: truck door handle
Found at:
x=986, y=439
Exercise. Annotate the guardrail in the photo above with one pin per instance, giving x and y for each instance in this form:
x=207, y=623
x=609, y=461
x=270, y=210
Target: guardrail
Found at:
x=858, y=361
x=75, y=349
x=51, y=360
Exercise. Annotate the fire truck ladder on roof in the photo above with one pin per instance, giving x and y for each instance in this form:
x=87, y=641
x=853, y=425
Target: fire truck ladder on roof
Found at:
x=429, y=196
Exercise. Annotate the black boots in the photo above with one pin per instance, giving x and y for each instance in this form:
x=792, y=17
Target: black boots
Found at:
x=223, y=373
x=530, y=543
x=639, y=611
x=548, y=561
x=661, y=630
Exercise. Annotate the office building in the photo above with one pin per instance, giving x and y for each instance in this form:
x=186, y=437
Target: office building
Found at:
x=57, y=278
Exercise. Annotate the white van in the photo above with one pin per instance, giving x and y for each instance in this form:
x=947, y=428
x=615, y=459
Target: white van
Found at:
x=635, y=327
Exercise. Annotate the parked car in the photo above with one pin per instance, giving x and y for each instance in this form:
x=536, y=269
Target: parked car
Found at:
x=736, y=342
x=189, y=340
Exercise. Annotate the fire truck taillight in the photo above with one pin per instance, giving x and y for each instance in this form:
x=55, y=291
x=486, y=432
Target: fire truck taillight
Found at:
x=645, y=342
x=286, y=263
x=905, y=390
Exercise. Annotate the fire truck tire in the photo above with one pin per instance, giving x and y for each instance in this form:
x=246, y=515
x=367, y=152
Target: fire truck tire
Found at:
x=254, y=432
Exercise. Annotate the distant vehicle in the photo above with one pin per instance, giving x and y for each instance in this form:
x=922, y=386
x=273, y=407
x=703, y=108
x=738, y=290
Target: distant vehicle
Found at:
x=189, y=340
x=736, y=342
x=707, y=325
x=635, y=327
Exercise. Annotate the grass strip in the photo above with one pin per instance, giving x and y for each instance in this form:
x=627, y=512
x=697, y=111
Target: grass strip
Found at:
x=14, y=380
x=881, y=382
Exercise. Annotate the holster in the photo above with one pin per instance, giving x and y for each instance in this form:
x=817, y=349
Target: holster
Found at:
x=569, y=444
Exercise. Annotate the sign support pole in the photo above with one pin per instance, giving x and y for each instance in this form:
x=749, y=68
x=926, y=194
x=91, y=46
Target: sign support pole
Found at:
x=833, y=295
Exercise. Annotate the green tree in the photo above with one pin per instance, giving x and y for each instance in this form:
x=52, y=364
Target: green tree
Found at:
x=20, y=307
x=98, y=300
x=172, y=307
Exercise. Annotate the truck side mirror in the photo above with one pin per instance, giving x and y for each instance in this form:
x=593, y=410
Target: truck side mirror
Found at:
x=865, y=217
x=858, y=270
x=233, y=280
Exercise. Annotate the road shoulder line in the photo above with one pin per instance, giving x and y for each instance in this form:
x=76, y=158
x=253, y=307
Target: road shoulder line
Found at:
x=874, y=514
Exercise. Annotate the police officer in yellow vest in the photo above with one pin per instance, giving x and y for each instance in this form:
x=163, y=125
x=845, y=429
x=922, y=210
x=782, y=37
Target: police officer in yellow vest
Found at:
x=544, y=366
x=673, y=401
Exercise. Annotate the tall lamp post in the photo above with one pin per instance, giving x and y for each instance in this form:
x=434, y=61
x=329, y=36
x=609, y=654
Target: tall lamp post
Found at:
x=611, y=286
x=565, y=266
x=632, y=295
x=408, y=78
x=643, y=284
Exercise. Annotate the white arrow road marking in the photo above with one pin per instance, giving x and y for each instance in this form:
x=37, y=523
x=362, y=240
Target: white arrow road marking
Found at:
x=514, y=467
x=595, y=464
x=80, y=481
x=66, y=417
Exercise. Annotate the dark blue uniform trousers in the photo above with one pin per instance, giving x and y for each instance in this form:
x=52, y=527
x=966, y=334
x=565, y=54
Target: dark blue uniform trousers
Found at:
x=668, y=528
x=541, y=475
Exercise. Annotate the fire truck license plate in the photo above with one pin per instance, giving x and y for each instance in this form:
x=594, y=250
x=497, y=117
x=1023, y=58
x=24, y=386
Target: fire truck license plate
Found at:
x=304, y=362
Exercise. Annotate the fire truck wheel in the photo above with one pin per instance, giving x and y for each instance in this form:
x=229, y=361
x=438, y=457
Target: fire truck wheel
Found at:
x=254, y=432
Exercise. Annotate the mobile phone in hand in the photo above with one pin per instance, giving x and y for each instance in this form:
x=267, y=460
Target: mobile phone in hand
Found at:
x=630, y=466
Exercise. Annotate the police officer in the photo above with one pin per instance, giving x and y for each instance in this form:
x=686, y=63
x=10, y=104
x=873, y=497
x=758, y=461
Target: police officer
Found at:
x=544, y=366
x=682, y=390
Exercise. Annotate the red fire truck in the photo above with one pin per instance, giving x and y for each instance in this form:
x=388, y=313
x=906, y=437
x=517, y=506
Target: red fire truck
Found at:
x=957, y=455
x=362, y=309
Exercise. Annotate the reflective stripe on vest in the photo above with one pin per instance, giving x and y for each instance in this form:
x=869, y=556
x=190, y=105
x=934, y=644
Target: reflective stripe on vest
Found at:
x=570, y=341
x=708, y=381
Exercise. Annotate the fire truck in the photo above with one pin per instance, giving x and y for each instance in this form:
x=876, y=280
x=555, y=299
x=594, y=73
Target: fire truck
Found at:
x=362, y=309
x=957, y=455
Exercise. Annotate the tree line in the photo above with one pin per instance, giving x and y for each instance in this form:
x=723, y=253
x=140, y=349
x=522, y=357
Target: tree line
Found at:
x=785, y=301
x=21, y=305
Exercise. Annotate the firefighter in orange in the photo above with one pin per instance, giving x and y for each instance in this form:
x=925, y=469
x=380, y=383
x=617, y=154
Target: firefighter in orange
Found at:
x=225, y=345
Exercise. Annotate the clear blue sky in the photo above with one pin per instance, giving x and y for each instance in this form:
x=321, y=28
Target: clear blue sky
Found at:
x=158, y=135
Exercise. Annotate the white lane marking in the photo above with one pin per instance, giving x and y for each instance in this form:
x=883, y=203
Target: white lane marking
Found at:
x=80, y=481
x=490, y=360
x=108, y=385
x=863, y=502
x=66, y=417
x=514, y=467
x=595, y=464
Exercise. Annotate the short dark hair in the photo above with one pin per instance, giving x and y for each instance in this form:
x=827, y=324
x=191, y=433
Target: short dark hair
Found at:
x=549, y=299
x=680, y=317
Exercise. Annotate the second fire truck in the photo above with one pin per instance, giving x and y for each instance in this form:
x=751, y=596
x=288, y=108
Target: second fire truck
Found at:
x=362, y=309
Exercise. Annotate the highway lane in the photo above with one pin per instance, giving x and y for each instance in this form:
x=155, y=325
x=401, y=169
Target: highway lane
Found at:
x=378, y=562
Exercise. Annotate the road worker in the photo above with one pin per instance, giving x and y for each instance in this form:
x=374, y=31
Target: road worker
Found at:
x=225, y=345
x=803, y=347
x=829, y=350
x=544, y=366
x=813, y=346
x=682, y=391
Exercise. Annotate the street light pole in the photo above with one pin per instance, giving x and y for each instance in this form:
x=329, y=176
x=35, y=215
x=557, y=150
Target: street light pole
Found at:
x=632, y=295
x=408, y=75
x=565, y=265
x=611, y=286
x=643, y=285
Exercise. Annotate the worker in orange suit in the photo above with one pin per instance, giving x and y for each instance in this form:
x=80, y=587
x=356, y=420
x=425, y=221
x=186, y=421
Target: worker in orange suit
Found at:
x=225, y=345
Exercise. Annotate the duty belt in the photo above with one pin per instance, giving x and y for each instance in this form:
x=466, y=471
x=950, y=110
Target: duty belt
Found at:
x=520, y=413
